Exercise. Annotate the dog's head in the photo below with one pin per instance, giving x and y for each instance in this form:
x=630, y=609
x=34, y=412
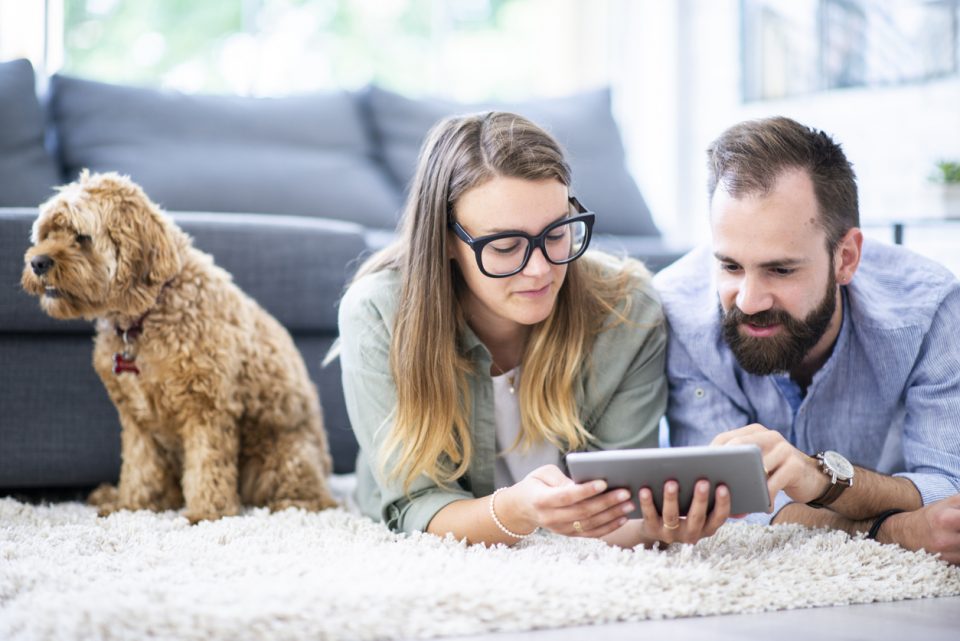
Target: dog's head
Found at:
x=100, y=246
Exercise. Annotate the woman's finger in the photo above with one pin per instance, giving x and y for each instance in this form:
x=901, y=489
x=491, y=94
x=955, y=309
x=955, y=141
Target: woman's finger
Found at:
x=589, y=508
x=604, y=530
x=697, y=514
x=670, y=514
x=721, y=510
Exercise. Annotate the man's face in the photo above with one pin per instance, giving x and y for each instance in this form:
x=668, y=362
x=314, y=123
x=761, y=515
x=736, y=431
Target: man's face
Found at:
x=775, y=278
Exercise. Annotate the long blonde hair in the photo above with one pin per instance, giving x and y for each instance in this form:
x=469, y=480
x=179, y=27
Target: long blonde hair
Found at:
x=431, y=427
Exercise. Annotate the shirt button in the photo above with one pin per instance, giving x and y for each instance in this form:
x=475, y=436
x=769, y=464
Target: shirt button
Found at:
x=699, y=393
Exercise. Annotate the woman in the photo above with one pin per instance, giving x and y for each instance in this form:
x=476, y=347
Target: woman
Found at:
x=483, y=345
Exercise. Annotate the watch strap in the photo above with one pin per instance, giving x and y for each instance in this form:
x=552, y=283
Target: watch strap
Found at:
x=832, y=494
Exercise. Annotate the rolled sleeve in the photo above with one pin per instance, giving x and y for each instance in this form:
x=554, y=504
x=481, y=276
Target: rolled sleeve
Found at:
x=931, y=435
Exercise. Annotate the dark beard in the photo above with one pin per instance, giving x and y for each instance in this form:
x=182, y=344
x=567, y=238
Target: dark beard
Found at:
x=786, y=350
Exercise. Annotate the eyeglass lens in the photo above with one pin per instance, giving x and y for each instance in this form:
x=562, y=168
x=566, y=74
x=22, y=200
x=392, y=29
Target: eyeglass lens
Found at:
x=563, y=242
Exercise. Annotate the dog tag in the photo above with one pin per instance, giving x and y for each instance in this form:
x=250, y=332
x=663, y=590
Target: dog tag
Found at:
x=123, y=364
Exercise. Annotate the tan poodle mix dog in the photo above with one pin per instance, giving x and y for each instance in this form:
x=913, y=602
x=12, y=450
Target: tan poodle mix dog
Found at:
x=215, y=403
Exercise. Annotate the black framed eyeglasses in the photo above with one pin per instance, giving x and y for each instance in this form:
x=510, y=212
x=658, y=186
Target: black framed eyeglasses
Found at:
x=507, y=253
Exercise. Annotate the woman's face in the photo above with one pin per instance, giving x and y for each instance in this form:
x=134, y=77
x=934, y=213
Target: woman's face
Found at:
x=502, y=305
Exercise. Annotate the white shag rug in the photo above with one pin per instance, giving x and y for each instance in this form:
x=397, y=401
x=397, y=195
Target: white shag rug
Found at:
x=66, y=574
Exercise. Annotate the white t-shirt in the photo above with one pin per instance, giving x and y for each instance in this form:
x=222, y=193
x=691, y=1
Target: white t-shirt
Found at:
x=512, y=466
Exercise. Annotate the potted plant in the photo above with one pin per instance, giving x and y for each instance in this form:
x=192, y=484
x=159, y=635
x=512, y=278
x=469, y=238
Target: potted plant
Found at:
x=947, y=176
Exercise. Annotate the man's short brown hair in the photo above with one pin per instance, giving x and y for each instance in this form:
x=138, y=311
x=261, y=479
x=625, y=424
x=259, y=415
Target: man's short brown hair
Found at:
x=748, y=158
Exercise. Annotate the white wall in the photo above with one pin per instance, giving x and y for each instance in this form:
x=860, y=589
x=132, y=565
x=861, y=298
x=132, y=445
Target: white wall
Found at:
x=678, y=87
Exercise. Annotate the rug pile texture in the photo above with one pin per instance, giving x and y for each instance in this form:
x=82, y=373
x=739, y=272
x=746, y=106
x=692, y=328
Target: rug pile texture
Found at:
x=66, y=574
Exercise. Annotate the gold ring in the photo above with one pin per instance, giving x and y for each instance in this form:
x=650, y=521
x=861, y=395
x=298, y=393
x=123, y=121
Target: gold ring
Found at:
x=672, y=527
x=578, y=527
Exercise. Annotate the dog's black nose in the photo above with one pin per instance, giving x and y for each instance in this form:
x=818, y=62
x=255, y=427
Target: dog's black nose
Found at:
x=41, y=264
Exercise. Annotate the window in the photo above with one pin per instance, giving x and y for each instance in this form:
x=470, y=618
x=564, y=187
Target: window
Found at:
x=792, y=47
x=463, y=49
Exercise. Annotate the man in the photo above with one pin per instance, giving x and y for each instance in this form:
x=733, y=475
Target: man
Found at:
x=839, y=355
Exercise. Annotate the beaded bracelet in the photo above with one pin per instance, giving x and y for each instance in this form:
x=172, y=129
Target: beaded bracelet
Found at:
x=503, y=528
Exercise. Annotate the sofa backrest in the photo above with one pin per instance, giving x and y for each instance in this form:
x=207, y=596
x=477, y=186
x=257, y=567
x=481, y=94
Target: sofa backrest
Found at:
x=27, y=171
x=342, y=155
x=583, y=124
x=307, y=155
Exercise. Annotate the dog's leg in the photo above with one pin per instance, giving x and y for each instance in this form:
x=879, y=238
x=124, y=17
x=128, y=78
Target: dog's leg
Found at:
x=147, y=478
x=211, y=453
x=291, y=471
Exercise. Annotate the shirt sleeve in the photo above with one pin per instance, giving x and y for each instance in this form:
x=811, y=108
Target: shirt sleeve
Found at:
x=931, y=432
x=371, y=396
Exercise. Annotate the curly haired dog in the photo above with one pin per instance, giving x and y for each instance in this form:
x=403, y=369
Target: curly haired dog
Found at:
x=215, y=403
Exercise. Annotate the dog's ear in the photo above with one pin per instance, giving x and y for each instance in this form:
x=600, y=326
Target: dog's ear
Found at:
x=161, y=260
x=146, y=240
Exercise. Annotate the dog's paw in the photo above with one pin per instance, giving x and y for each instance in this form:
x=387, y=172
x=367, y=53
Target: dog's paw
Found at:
x=195, y=515
x=105, y=498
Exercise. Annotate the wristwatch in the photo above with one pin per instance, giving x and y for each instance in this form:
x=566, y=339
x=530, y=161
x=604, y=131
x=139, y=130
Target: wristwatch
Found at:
x=840, y=471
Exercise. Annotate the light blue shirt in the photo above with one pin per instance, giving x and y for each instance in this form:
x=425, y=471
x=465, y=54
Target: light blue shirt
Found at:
x=888, y=397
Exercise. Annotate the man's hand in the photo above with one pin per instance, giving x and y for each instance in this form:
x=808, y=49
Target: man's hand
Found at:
x=787, y=468
x=934, y=528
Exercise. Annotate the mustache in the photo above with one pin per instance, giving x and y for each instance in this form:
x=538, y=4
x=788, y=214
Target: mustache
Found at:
x=766, y=318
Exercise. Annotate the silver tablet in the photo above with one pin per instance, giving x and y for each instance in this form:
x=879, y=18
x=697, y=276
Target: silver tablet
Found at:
x=739, y=467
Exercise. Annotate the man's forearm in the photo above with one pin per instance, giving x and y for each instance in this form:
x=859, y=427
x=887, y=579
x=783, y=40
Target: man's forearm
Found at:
x=813, y=517
x=873, y=493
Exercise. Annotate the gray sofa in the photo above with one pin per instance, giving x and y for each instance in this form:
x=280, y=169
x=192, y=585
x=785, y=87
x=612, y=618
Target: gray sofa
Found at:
x=288, y=194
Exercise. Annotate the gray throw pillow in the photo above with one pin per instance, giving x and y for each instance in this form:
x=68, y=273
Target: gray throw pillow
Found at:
x=582, y=123
x=27, y=171
x=301, y=155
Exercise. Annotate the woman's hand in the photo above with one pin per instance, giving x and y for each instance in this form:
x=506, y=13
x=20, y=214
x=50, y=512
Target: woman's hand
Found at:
x=670, y=527
x=547, y=498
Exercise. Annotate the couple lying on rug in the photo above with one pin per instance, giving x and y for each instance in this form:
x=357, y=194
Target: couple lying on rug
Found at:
x=485, y=344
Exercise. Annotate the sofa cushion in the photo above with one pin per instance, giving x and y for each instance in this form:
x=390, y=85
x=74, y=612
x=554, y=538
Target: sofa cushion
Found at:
x=582, y=123
x=27, y=171
x=305, y=155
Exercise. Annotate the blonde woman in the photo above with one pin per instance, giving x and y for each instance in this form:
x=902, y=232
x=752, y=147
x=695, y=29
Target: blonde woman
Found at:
x=484, y=344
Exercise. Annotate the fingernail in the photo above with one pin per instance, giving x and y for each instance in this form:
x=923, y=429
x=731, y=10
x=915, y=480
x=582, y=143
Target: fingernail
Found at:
x=722, y=491
x=622, y=520
x=645, y=494
x=623, y=496
x=628, y=508
x=600, y=486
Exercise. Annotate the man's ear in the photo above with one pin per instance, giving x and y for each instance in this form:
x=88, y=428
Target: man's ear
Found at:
x=846, y=257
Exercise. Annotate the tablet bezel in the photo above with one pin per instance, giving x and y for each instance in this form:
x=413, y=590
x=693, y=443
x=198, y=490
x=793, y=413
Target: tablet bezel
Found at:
x=739, y=467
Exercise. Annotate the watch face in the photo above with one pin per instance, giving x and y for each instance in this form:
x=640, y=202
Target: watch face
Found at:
x=838, y=465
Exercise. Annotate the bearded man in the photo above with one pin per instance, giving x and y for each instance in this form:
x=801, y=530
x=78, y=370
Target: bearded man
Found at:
x=839, y=355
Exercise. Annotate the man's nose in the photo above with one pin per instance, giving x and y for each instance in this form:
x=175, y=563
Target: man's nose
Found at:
x=753, y=297
x=41, y=264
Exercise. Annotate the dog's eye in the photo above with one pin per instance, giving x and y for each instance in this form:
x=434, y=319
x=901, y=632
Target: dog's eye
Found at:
x=83, y=239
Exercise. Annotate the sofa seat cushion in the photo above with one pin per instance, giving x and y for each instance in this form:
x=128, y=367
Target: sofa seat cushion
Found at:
x=303, y=155
x=27, y=171
x=582, y=123
x=295, y=267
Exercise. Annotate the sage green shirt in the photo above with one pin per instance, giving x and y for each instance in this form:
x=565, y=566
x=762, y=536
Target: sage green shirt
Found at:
x=623, y=394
